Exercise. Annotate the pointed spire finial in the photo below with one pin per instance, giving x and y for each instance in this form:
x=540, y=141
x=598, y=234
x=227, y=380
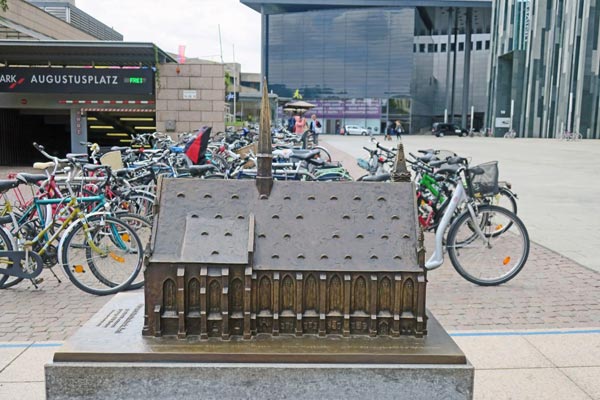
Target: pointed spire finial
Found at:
x=264, y=175
x=400, y=172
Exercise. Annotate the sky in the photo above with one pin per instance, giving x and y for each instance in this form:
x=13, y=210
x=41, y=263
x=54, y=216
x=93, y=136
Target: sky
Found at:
x=192, y=23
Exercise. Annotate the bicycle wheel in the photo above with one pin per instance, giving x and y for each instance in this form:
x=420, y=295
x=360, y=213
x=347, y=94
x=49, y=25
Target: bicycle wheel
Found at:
x=103, y=257
x=6, y=281
x=143, y=227
x=139, y=203
x=494, y=259
x=27, y=231
x=505, y=199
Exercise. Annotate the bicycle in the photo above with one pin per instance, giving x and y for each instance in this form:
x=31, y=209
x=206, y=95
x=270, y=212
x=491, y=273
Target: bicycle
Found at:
x=487, y=245
x=94, y=238
x=570, y=136
x=511, y=134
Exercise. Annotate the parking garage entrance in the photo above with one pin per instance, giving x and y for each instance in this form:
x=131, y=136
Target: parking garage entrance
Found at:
x=100, y=92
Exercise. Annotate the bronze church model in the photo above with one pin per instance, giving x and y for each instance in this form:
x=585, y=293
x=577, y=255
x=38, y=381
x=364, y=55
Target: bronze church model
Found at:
x=246, y=258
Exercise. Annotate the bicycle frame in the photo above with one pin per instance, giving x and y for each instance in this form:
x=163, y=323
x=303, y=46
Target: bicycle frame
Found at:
x=458, y=197
x=75, y=213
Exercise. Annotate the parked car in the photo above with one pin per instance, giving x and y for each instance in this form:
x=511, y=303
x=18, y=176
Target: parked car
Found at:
x=356, y=130
x=441, y=129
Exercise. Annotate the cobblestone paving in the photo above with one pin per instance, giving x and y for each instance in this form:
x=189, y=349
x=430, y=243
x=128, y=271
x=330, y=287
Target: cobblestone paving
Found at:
x=551, y=292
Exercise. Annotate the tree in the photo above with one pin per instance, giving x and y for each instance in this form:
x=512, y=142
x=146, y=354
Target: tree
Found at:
x=228, y=81
x=4, y=5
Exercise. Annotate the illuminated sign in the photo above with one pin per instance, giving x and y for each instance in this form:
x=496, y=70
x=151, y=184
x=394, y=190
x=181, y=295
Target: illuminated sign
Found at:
x=77, y=80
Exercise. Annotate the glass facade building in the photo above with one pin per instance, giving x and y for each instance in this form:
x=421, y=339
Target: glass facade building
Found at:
x=347, y=53
x=369, y=64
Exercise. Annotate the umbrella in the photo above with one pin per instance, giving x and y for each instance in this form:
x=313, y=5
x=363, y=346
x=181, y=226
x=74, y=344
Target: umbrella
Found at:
x=299, y=105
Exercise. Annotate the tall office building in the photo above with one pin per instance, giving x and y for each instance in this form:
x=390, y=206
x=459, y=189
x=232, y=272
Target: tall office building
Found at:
x=545, y=66
x=368, y=62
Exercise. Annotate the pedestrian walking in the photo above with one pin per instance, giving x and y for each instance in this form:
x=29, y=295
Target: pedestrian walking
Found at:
x=315, y=128
x=398, y=129
x=291, y=123
x=389, y=131
x=300, y=125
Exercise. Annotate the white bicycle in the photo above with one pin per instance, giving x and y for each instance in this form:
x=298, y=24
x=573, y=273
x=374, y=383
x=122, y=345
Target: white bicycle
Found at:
x=488, y=245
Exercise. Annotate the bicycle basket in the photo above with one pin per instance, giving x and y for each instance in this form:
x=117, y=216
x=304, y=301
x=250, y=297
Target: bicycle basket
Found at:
x=486, y=183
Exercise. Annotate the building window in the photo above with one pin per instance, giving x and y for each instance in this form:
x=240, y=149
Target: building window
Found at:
x=487, y=44
x=443, y=48
x=461, y=46
x=422, y=48
x=478, y=45
x=435, y=48
x=452, y=46
x=430, y=48
x=414, y=48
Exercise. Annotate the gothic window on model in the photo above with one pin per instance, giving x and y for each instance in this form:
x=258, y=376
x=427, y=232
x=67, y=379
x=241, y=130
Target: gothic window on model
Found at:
x=214, y=297
x=311, y=293
x=236, y=296
x=408, y=296
x=359, y=303
x=169, y=298
x=194, y=295
x=264, y=294
x=287, y=294
x=385, y=295
x=335, y=294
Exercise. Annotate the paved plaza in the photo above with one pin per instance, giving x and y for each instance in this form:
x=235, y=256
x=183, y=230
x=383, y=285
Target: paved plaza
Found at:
x=535, y=337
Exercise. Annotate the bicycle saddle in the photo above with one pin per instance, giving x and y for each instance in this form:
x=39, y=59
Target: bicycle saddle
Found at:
x=426, y=158
x=199, y=170
x=7, y=184
x=30, y=178
x=377, y=178
x=306, y=156
x=94, y=167
x=448, y=169
x=43, y=165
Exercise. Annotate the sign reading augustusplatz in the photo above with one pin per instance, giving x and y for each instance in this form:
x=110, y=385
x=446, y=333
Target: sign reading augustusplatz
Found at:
x=77, y=80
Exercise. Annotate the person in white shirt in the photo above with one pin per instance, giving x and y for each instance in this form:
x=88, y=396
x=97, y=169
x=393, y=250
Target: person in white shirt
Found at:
x=315, y=128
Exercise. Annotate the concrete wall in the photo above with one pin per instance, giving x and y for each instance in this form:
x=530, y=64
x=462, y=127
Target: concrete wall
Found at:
x=208, y=80
x=38, y=21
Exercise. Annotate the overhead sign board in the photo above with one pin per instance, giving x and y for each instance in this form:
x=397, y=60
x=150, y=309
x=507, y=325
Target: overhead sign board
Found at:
x=77, y=80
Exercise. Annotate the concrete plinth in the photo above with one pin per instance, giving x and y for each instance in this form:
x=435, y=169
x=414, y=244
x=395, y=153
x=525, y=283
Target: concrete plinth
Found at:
x=109, y=359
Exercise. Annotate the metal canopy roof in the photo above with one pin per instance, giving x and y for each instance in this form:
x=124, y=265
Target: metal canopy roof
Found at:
x=283, y=6
x=99, y=53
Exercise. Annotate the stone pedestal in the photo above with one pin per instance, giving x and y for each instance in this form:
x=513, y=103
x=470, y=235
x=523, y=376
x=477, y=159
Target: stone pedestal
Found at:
x=108, y=359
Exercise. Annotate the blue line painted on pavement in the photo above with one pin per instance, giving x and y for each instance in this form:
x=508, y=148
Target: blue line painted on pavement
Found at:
x=526, y=333
x=24, y=345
